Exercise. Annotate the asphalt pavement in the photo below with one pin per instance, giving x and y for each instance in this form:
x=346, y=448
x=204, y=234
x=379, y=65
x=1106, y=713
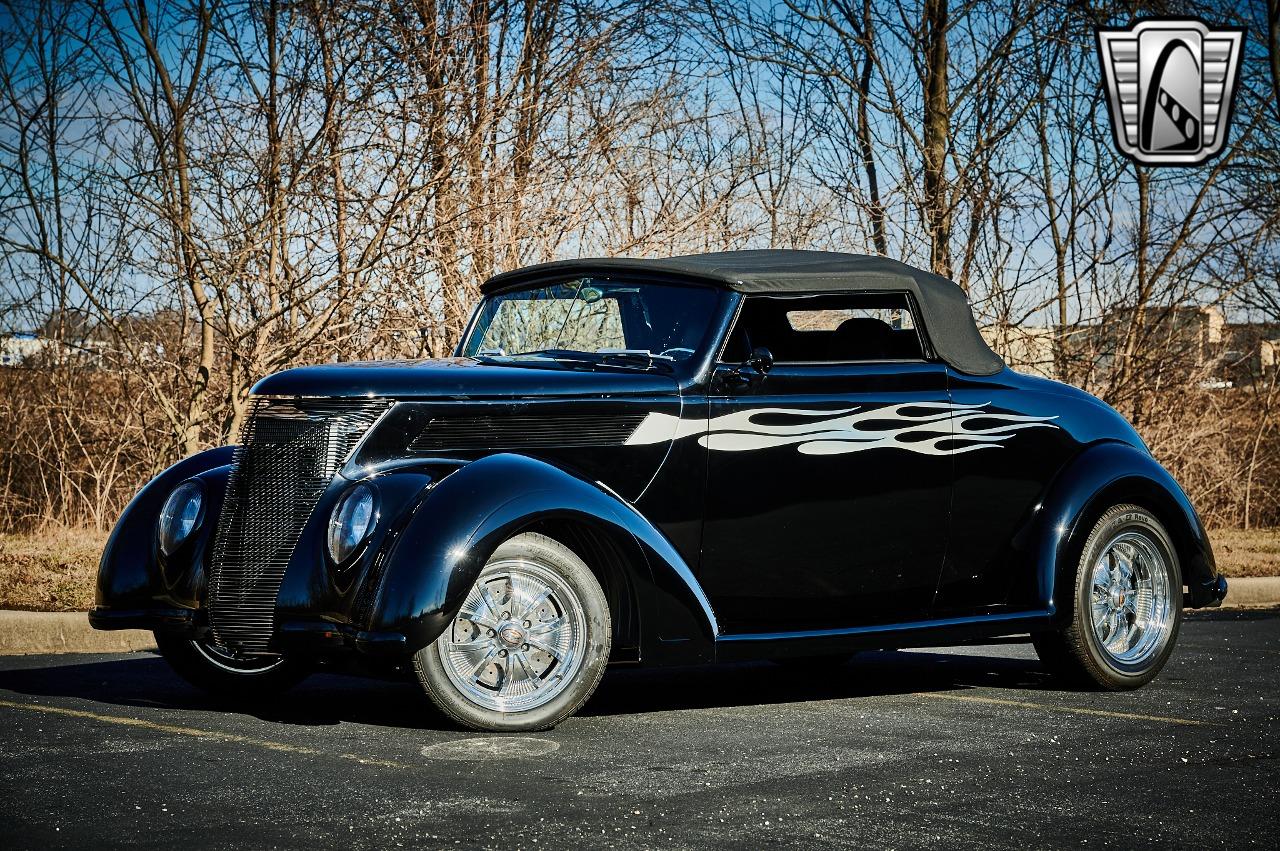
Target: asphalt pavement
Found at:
x=940, y=748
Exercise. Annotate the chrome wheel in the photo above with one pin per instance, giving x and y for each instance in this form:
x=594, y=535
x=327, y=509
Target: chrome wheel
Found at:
x=519, y=639
x=1131, y=606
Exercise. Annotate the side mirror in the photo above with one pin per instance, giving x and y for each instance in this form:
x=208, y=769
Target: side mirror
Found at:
x=761, y=360
x=752, y=371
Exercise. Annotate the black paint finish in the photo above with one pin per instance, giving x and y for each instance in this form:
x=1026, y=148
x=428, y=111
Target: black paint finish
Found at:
x=795, y=541
x=731, y=513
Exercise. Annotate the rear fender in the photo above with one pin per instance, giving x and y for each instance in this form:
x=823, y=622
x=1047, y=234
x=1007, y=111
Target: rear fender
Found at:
x=1103, y=475
x=466, y=516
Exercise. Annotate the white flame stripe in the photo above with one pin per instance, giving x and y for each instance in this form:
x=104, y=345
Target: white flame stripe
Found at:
x=938, y=428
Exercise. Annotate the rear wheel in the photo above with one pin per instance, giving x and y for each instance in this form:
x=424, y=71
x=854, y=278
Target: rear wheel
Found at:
x=1126, y=605
x=529, y=645
x=220, y=673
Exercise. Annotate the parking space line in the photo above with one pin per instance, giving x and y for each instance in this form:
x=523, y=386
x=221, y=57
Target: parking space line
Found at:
x=1050, y=707
x=196, y=733
x=1227, y=648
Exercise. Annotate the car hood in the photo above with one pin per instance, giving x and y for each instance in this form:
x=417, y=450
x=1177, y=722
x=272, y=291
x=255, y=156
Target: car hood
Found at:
x=460, y=378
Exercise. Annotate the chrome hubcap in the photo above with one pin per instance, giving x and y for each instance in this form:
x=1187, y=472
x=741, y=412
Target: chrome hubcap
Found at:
x=519, y=639
x=1131, y=607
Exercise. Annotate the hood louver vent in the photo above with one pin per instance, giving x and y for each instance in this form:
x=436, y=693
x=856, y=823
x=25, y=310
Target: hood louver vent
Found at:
x=472, y=434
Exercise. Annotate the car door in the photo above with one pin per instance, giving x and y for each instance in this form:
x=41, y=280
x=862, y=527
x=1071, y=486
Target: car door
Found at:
x=828, y=484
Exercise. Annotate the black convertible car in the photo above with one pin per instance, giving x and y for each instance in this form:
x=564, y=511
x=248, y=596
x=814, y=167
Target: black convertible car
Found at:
x=762, y=454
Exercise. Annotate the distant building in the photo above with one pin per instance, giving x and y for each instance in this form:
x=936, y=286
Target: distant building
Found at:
x=33, y=350
x=17, y=349
x=1027, y=349
x=1252, y=348
x=1191, y=336
x=1198, y=341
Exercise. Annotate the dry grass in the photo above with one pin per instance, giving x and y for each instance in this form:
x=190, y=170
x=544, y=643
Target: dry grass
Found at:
x=53, y=570
x=1255, y=552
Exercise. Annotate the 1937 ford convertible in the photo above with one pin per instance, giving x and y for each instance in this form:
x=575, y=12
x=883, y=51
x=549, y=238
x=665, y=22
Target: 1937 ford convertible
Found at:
x=765, y=454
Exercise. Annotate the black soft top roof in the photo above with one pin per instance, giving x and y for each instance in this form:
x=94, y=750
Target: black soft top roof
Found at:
x=947, y=317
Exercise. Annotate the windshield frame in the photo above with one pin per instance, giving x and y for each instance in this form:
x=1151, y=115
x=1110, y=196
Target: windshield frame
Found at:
x=693, y=365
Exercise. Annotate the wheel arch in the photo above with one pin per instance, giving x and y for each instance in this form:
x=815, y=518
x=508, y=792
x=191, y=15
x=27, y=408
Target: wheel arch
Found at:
x=1106, y=474
x=612, y=559
x=469, y=513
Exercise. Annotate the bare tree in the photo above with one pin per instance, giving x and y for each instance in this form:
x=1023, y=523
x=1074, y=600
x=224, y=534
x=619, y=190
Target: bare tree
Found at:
x=195, y=193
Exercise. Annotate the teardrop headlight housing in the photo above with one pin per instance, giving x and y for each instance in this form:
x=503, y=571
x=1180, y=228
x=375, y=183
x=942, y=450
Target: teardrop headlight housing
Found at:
x=349, y=524
x=180, y=516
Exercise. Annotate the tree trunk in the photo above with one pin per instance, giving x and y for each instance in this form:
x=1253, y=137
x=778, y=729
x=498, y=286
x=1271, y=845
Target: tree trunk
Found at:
x=876, y=207
x=1137, y=320
x=937, y=128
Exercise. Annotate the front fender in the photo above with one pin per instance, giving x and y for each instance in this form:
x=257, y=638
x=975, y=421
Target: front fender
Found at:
x=130, y=574
x=468, y=514
x=1105, y=474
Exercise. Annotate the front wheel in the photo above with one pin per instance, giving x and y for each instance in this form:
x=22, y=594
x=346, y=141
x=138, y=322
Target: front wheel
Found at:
x=529, y=645
x=1126, y=605
x=222, y=674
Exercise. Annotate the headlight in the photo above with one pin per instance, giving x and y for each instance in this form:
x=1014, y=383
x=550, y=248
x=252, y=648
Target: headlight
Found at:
x=350, y=522
x=180, y=515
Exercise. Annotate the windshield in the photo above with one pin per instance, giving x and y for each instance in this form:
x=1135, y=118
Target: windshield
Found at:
x=594, y=319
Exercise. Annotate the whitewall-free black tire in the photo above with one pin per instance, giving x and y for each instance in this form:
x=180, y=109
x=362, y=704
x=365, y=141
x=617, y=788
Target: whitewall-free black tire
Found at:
x=1125, y=605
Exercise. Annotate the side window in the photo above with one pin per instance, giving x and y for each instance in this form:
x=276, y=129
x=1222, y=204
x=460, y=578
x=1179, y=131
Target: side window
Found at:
x=827, y=328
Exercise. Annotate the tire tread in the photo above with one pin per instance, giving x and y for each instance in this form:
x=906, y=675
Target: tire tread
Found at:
x=452, y=706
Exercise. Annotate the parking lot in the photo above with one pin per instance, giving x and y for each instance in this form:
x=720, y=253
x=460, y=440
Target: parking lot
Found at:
x=933, y=748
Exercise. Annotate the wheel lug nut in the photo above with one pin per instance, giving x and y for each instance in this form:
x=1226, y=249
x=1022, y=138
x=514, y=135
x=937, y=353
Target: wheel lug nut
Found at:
x=502, y=653
x=524, y=647
x=506, y=615
x=491, y=633
x=527, y=624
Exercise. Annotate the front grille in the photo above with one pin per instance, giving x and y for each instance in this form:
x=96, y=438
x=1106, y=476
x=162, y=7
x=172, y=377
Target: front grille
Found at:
x=498, y=432
x=289, y=452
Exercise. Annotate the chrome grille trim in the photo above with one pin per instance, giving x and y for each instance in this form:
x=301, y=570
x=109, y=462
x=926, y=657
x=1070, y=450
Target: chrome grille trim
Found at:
x=289, y=452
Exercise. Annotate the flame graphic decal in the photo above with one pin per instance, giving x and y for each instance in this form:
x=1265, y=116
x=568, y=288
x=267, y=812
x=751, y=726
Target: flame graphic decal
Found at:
x=926, y=428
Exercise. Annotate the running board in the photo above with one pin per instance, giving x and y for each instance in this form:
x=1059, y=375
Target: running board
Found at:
x=928, y=633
